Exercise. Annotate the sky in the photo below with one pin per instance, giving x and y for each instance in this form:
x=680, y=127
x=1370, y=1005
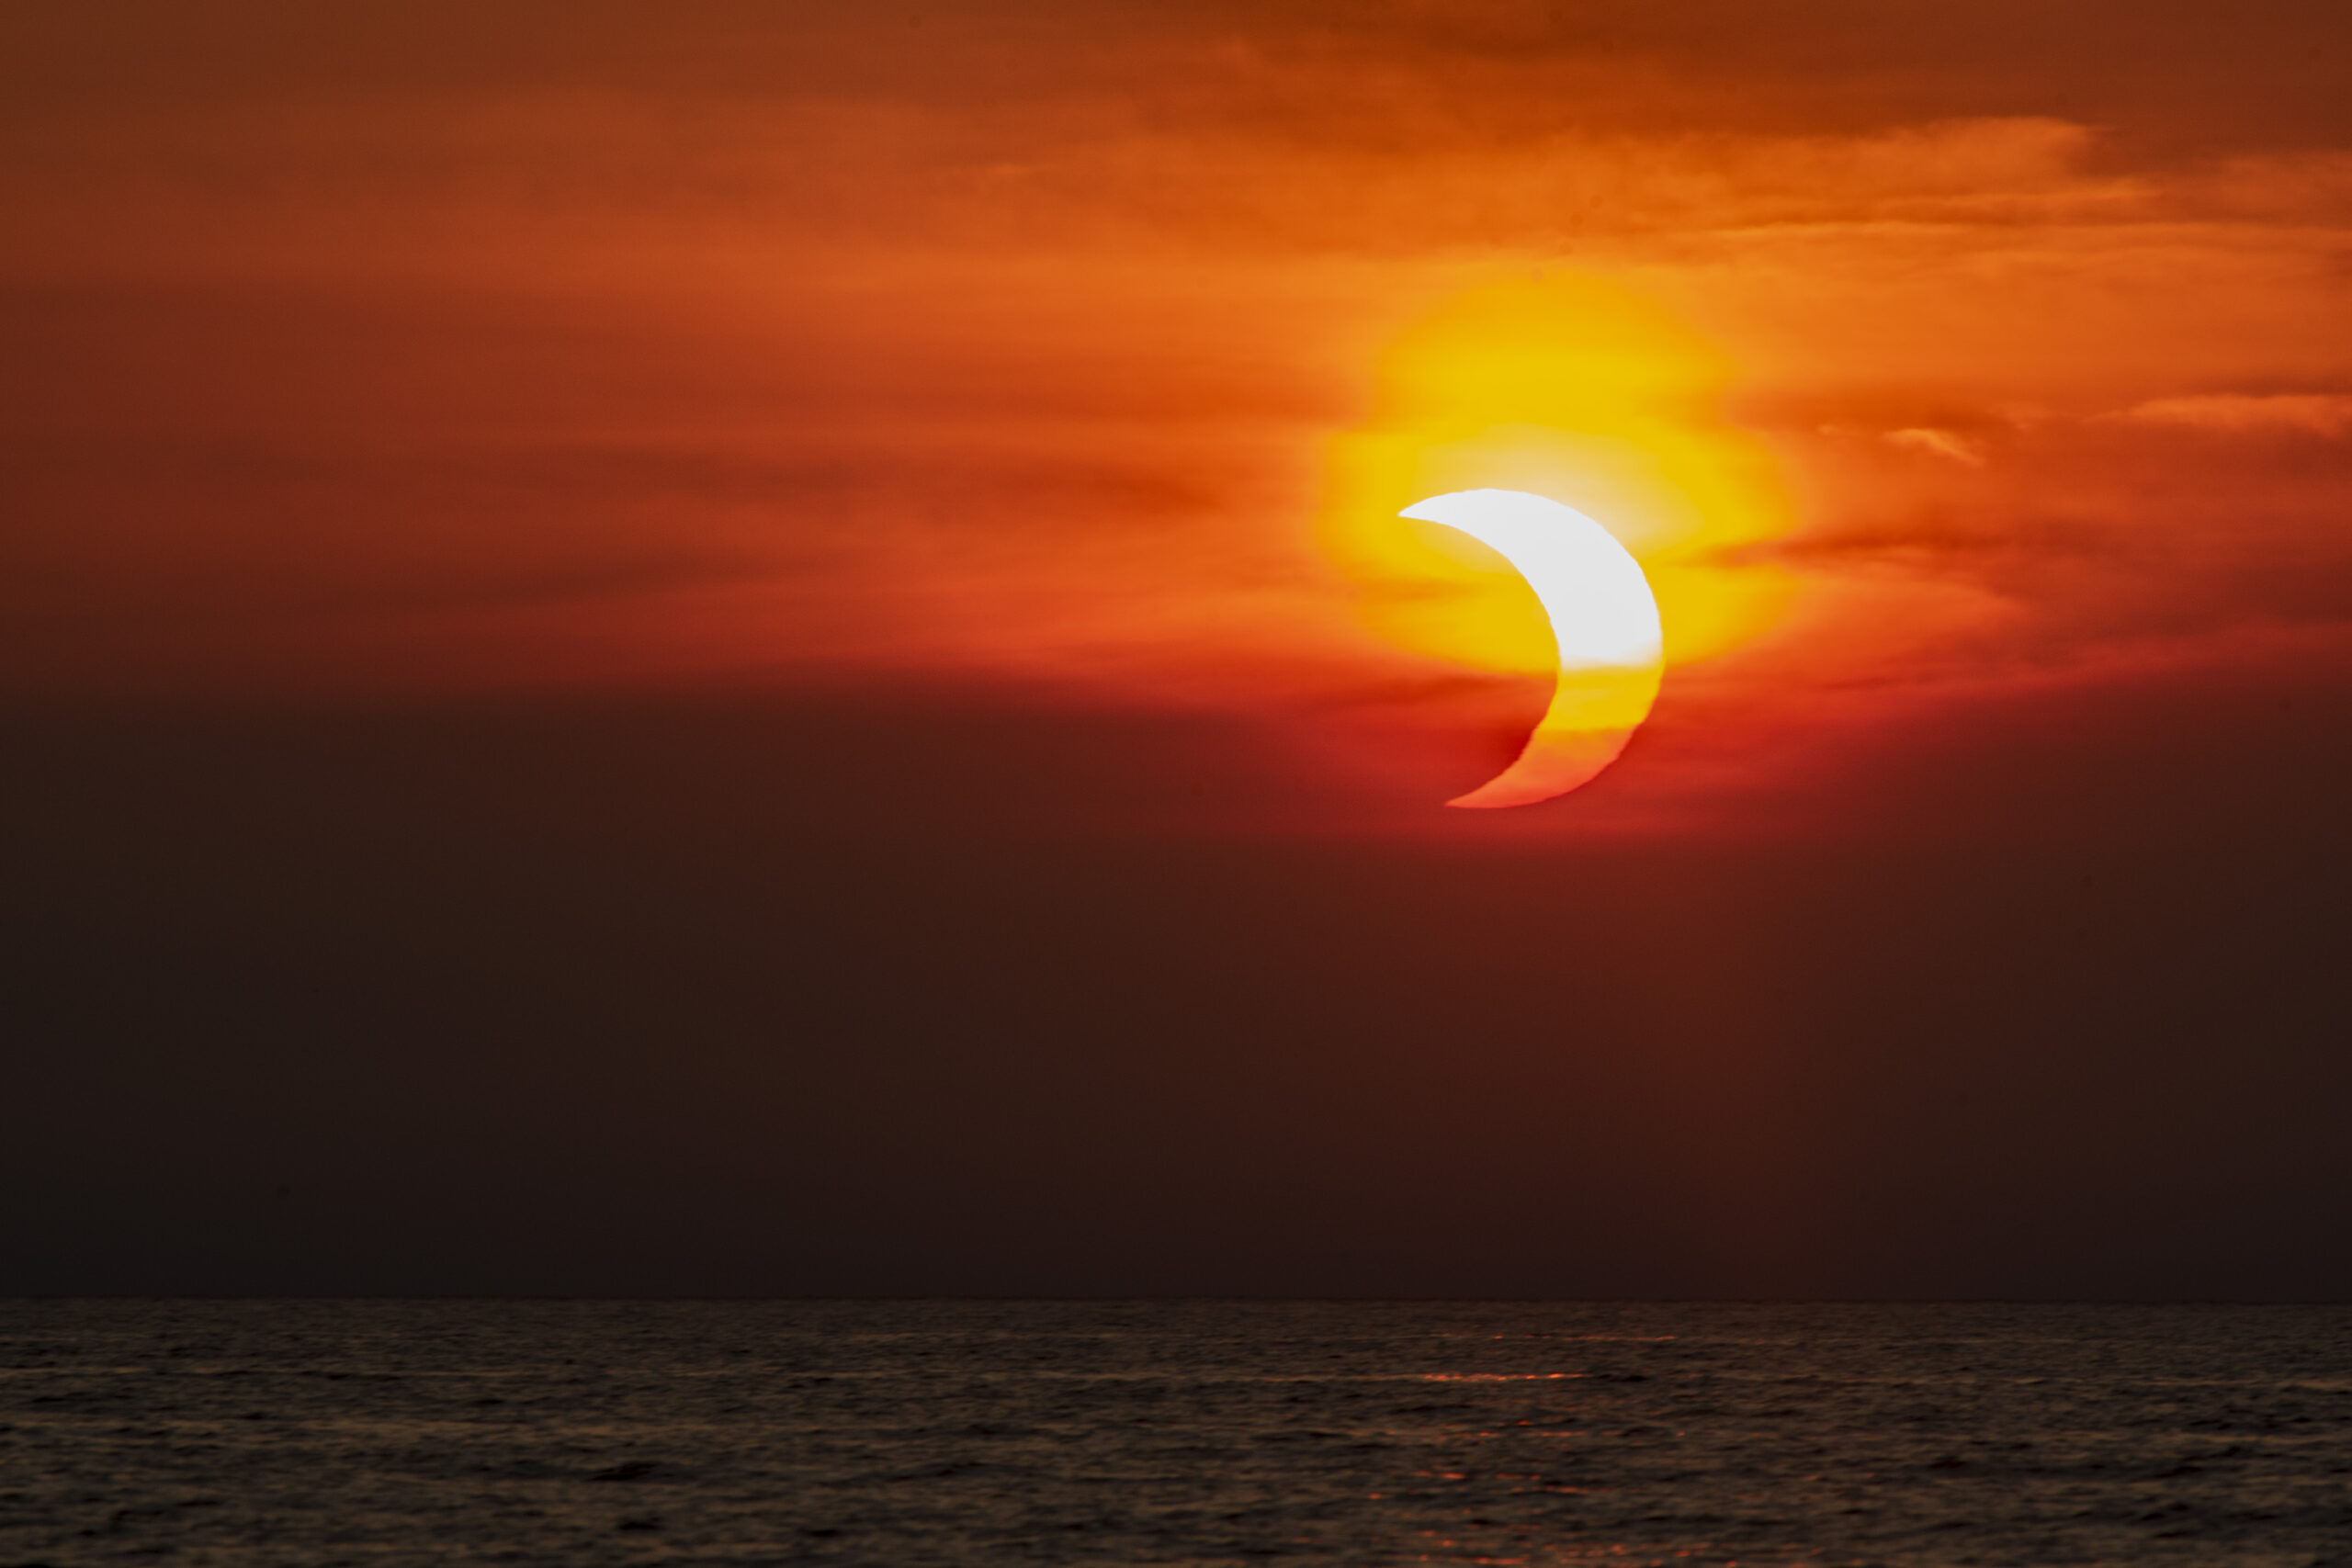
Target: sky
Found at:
x=749, y=648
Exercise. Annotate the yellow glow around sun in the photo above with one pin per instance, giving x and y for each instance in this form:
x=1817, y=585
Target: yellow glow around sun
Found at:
x=1575, y=389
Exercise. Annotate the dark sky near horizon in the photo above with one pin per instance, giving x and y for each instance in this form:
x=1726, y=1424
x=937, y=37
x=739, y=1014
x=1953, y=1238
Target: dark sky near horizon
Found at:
x=685, y=651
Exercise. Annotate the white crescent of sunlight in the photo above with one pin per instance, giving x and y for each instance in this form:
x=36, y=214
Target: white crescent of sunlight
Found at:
x=1604, y=624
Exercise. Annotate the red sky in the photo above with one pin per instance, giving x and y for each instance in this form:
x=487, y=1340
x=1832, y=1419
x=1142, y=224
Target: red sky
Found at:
x=426, y=349
x=983, y=365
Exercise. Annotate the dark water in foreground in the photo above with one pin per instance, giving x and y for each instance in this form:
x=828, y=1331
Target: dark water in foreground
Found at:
x=583, y=1433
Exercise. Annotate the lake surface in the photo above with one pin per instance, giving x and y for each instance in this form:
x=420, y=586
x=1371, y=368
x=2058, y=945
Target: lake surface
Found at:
x=969, y=1433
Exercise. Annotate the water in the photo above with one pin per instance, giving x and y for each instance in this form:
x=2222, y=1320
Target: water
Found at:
x=967, y=1432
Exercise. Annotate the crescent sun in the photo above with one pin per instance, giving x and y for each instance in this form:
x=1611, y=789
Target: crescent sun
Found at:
x=1604, y=627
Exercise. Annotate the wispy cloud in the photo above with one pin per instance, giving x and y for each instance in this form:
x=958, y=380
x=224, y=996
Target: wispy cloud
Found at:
x=2310, y=414
x=1936, y=443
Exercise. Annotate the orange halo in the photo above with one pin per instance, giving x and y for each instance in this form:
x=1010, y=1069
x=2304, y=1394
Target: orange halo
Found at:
x=1575, y=389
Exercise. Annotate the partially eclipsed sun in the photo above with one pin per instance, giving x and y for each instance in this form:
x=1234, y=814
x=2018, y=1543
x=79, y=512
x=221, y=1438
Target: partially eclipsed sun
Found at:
x=1574, y=386
x=1605, y=632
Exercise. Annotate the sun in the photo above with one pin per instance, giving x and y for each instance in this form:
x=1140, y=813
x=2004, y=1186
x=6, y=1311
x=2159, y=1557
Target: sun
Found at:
x=1605, y=630
x=1575, y=389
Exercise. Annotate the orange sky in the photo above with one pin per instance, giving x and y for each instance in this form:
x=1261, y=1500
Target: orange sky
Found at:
x=427, y=351
x=627, y=627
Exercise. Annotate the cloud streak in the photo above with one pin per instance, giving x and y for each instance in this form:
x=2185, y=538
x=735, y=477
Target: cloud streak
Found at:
x=2323, y=414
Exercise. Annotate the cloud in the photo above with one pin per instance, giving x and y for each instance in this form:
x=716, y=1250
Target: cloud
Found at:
x=2327, y=414
x=1938, y=443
